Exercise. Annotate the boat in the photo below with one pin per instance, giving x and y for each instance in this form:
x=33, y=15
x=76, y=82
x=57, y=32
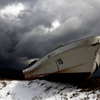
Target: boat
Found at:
x=75, y=60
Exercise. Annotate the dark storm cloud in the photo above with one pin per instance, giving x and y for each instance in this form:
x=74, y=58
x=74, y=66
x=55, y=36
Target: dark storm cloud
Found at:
x=4, y=3
x=24, y=36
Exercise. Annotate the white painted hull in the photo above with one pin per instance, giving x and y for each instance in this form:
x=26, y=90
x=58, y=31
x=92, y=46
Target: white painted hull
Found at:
x=82, y=56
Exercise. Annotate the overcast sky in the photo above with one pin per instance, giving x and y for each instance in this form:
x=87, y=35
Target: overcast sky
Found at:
x=31, y=28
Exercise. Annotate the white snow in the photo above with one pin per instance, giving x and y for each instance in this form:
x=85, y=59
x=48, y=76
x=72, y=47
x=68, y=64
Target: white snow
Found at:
x=43, y=90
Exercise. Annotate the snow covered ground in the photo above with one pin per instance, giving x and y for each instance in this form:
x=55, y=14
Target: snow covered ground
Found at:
x=43, y=90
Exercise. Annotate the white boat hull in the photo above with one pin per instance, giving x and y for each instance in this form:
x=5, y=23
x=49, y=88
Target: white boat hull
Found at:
x=80, y=57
